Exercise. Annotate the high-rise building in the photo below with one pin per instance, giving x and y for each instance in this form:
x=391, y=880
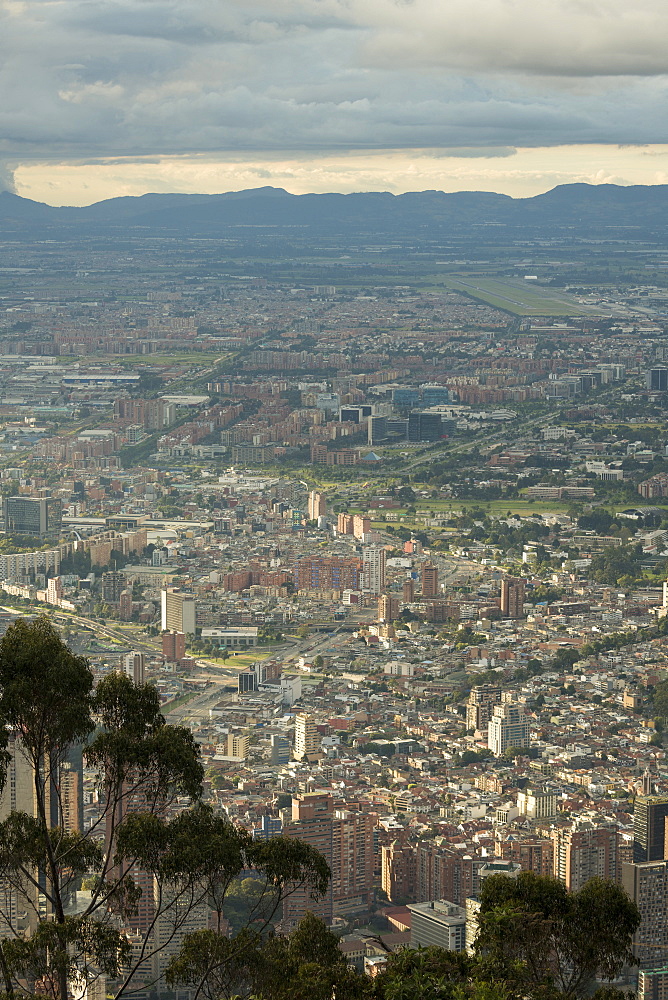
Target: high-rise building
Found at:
x=317, y=505
x=328, y=573
x=374, y=558
x=33, y=516
x=173, y=646
x=508, y=727
x=585, y=850
x=113, y=585
x=481, y=701
x=438, y=923
x=653, y=983
x=134, y=665
x=345, y=839
x=408, y=591
x=424, y=426
x=280, y=750
x=307, y=737
x=270, y=826
x=647, y=885
x=125, y=605
x=398, y=872
x=237, y=745
x=178, y=611
x=656, y=379
x=429, y=580
x=344, y=524
x=361, y=526
x=649, y=827
x=388, y=607
x=18, y=896
x=512, y=598
x=534, y=854
x=446, y=872
x=537, y=803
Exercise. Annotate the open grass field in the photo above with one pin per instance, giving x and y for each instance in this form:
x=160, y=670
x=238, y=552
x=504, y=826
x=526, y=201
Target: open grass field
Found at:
x=516, y=296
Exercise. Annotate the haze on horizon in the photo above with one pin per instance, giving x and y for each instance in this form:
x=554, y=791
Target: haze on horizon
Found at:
x=118, y=97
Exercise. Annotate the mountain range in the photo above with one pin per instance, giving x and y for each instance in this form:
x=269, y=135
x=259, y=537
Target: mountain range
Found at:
x=636, y=212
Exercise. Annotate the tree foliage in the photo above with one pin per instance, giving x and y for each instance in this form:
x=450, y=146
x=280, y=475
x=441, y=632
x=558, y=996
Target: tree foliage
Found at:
x=187, y=857
x=555, y=938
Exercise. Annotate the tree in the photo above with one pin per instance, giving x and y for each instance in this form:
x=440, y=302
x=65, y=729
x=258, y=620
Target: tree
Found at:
x=660, y=699
x=51, y=718
x=533, y=928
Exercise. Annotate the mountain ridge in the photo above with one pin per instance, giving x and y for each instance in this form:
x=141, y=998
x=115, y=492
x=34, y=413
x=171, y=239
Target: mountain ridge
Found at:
x=581, y=205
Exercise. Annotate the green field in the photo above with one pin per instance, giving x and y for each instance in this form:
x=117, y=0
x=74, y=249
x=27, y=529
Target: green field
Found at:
x=517, y=296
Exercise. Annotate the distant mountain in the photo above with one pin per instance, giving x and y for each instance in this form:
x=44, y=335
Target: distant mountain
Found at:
x=587, y=209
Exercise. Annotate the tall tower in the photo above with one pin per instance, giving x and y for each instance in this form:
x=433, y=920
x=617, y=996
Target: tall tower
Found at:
x=307, y=737
x=429, y=580
x=508, y=727
x=649, y=824
x=481, y=701
x=512, y=598
x=373, y=569
x=647, y=885
x=583, y=851
x=134, y=665
x=317, y=505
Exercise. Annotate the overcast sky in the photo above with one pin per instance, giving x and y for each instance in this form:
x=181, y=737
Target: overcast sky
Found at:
x=104, y=97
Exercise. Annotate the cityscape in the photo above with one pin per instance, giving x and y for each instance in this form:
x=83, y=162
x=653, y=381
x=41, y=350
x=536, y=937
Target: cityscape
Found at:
x=389, y=547
x=333, y=500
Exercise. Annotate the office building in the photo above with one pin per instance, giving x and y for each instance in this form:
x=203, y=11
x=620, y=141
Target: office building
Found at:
x=512, y=598
x=481, y=701
x=429, y=580
x=656, y=379
x=404, y=397
x=585, y=850
x=376, y=429
x=649, y=827
x=32, y=516
x=508, y=727
x=647, y=885
x=317, y=505
x=438, y=923
x=497, y=867
x=436, y=395
x=178, y=611
x=373, y=569
x=424, y=426
x=307, y=737
x=134, y=666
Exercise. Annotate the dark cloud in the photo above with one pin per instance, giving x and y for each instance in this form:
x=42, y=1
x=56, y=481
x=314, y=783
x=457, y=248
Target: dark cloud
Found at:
x=98, y=78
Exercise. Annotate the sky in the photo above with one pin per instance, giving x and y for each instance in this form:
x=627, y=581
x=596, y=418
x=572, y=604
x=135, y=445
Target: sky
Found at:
x=102, y=98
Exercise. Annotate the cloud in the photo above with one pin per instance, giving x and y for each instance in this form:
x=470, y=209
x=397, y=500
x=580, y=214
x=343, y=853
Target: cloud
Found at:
x=123, y=78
